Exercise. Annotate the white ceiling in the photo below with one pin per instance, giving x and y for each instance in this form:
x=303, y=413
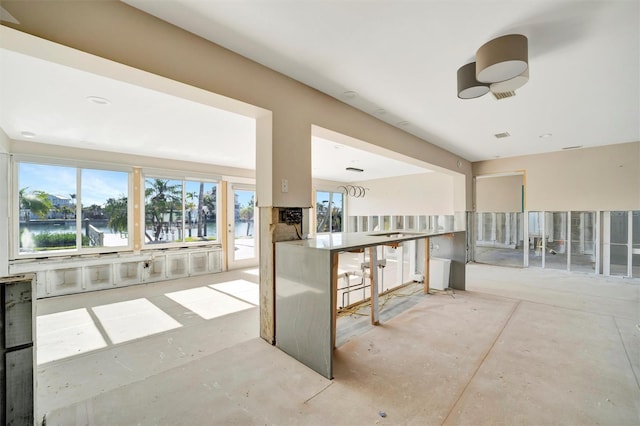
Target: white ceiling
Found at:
x=51, y=102
x=331, y=159
x=399, y=57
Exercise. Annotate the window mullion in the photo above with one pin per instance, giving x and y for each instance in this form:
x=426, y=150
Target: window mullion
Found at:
x=184, y=210
x=78, y=209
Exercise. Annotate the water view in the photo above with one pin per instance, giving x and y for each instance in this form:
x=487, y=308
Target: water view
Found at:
x=29, y=234
x=48, y=209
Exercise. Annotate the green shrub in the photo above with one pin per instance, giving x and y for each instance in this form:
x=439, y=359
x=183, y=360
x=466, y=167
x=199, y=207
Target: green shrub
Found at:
x=50, y=240
x=193, y=239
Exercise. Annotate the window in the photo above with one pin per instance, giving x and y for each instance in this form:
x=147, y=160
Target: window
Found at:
x=61, y=208
x=329, y=209
x=179, y=211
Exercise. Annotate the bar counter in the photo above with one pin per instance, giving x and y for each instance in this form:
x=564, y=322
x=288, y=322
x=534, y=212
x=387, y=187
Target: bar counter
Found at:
x=306, y=287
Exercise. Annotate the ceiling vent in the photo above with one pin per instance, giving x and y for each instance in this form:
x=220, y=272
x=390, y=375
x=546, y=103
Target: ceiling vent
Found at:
x=502, y=135
x=503, y=95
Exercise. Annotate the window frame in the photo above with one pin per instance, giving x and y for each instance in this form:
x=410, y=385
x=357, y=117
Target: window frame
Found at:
x=148, y=173
x=315, y=212
x=78, y=165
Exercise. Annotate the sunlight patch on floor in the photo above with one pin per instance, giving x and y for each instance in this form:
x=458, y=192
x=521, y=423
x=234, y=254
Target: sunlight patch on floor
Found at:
x=241, y=289
x=133, y=319
x=208, y=303
x=65, y=334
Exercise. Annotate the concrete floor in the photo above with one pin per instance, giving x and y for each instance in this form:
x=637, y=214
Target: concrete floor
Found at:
x=579, y=263
x=520, y=346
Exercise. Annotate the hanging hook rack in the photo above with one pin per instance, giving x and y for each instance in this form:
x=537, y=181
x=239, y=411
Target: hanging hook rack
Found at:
x=355, y=191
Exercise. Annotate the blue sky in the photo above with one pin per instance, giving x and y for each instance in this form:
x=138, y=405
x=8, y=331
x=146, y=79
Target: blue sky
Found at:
x=97, y=185
x=244, y=197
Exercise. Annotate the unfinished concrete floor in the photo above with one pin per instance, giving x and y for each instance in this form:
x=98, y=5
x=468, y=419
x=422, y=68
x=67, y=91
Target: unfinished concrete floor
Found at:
x=520, y=346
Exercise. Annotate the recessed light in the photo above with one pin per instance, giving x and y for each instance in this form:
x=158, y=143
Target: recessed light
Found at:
x=349, y=94
x=354, y=169
x=546, y=135
x=29, y=135
x=98, y=100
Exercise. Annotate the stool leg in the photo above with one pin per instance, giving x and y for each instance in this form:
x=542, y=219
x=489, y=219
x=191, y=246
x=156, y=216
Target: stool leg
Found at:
x=373, y=273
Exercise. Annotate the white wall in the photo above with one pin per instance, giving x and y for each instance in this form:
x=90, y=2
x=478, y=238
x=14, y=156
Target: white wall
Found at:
x=427, y=193
x=4, y=204
x=602, y=178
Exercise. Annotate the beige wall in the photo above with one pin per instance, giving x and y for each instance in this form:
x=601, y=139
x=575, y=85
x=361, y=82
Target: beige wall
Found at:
x=145, y=42
x=427, y=193
x=603, y=178
x=499, y=193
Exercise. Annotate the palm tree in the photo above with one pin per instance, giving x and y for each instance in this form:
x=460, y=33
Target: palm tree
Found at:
x=116, y=210
x=201, y=209
x=208, y=208
x=246, y=213
x=36, y=202
x=209, y=202
x=93, y=211
x=322, y=216
x=189, y=208
x=66, y=211
x=161, y=199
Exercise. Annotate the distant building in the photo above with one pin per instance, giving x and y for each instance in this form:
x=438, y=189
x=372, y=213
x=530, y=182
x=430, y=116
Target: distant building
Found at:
x=59, y=201
x=62, y=207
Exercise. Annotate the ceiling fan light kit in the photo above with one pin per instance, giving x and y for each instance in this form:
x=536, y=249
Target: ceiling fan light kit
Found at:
x=501, y=66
